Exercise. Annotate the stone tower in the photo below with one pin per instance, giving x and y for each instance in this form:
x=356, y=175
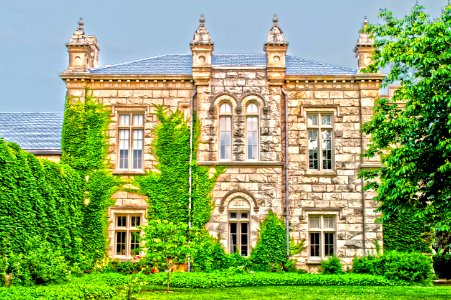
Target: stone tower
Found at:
x=202, y=51
x=83, y=50
x=364, y=47
x=276, y=50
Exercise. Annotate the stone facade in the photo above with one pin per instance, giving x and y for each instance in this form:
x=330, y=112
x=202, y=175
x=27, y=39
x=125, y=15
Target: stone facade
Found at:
x=286, y=93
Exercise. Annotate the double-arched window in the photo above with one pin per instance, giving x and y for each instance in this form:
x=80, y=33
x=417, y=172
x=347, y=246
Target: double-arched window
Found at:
x=225, y=131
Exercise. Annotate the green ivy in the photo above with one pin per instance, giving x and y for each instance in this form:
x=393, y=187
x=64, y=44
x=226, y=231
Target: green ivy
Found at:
x=407, y=233
x=167, y=188
x=84, y=147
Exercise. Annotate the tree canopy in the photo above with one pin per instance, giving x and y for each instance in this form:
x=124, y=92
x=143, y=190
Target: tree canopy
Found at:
x=412, y=131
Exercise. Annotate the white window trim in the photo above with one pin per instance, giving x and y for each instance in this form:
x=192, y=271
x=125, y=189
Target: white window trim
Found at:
x=131, y=129
x=320, y=112
x=239, y=221
x=257, y=115
x=128, y=229
x=322, y=230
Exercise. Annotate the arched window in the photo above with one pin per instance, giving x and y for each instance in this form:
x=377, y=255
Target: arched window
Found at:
x=252, y=131
x=239, y=226
x=225, y=131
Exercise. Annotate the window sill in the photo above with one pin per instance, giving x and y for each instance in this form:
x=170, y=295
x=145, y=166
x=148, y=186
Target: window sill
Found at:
x=314, y=261
x=128, y=172
x=244, y=163
x=323, y=173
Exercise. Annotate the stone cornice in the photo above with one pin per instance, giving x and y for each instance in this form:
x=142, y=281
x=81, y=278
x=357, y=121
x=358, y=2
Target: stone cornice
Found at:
x=123, y=77
x=335, y=78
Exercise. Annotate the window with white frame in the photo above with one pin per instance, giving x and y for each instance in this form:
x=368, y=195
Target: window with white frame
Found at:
x=126, y=234
x=252, y=131
x=225, y=131
x=131, y=141
x=319, y=127
x=239, y=232
x=321, y=236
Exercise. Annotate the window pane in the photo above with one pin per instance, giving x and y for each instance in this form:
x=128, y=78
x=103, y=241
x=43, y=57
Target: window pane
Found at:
x=329, y=244
x=124, y=120
x=326, y=119
x=329, y=222
x=252, y=109
x=134, y=241
x=233, y=237
x=252, y=137
x=120, y=243
x=233, y=215
x=314, y=222
x=225, y=134
x=135, y=221
x=314, y=244
x=327, y=148
x=313, y=148
x=244, y=239
x=121, y=221
x=137, y=148
x=124, y=135
x=225, y=109
x=312, y=120
x=244, y=215
x=138, y=120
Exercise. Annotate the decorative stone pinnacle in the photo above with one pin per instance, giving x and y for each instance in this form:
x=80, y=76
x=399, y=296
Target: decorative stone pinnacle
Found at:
x=365, y=22
x=275, y=20
x=81, y=24
x=202, y=20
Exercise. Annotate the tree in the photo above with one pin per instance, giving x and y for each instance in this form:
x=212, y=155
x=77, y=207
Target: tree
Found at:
x=166, y=245
x=412, y=131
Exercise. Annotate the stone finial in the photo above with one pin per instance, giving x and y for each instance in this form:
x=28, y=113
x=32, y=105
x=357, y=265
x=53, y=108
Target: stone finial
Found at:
x=81, y=25
x=275, y=35
x=364, y=37
x=201, y=36
x=79, y=36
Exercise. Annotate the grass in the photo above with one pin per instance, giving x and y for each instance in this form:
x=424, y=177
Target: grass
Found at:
x=304, y=292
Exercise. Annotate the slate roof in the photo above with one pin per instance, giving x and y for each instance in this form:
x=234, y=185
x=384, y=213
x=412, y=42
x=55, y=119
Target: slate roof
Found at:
x=180, y=64
x=36, y=131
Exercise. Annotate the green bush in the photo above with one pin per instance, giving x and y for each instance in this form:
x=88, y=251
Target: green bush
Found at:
x=413, y=266
x=367, y=265
x=442, y=265
x=332, y=265
x=208, y=254
x=270, y=253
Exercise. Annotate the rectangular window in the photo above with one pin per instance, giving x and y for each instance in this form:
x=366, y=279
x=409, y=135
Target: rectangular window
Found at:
x=319, y=127
x=321, y=235
x=127, y=235
x=225, y=137
x=239, y=232
x=131, y=141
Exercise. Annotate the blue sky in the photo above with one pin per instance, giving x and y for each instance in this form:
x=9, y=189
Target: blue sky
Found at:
x=34, y=33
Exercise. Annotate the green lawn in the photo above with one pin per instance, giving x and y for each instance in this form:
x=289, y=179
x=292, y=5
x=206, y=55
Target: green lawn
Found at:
x=304, y=292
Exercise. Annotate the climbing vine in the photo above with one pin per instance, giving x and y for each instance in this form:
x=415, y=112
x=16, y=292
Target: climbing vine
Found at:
x=84, y=147
x=167, y=188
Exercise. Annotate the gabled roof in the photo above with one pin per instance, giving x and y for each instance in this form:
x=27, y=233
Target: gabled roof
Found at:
x=38, y=132
x=180, y=64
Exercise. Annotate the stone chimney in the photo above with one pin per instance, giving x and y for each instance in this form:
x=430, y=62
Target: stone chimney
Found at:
x=276, y=49
x=202, y=51
x=83, y=50
x=364, y=47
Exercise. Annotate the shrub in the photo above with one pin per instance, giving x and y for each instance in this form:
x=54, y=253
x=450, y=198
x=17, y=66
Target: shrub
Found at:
x=367, y=265
x=413, y=266
x=442, y=265
x=208, y=254
x=331, y=266
x=270, y=253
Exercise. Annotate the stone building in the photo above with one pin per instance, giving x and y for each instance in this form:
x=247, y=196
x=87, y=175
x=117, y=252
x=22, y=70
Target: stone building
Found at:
x=286, y=128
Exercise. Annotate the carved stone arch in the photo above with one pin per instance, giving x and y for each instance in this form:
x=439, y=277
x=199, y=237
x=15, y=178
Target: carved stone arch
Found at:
x=223, y=97
x=254, y=97
x=230, y=196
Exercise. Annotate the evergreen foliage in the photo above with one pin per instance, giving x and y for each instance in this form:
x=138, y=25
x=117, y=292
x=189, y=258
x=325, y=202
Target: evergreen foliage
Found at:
x=270, y=253
x=414, y=138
